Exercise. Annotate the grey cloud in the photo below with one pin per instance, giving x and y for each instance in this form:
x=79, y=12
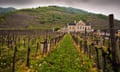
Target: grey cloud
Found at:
x=103, y=6
x=19, y=2
x=23, y=2
x=95, y=3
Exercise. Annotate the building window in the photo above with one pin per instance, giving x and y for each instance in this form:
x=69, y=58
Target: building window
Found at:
x=83, y=27
x=86, y=27
x=79, y=27
x=72, y=27
x=69, y=27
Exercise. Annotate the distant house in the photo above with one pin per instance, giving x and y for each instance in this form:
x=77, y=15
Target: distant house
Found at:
x=79, y=27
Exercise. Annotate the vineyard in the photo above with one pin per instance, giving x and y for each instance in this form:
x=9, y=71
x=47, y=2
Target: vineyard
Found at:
x=18, y=49
x=65, y=58
x=48, y=51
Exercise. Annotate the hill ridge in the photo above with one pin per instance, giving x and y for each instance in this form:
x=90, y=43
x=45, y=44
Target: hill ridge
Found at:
x=51, y=17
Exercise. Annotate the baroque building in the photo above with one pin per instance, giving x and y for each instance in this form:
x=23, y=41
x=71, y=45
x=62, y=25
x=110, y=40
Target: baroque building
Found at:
x=79, y=27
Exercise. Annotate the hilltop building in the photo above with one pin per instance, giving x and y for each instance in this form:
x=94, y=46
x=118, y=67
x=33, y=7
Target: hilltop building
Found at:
x=79, y=27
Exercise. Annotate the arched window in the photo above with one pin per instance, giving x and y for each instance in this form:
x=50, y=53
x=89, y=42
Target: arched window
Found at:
x=72, y=27
x=79, y=27
x=83, y=27
x=69, y=27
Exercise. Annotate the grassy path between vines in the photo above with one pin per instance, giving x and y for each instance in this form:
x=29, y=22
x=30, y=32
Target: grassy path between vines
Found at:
x=65, y=58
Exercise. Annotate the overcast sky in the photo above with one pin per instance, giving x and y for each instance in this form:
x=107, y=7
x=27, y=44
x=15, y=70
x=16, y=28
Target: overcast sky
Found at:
x=97, y=6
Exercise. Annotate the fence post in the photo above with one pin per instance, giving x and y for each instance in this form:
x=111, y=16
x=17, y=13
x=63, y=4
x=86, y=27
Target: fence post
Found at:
x=115, y=50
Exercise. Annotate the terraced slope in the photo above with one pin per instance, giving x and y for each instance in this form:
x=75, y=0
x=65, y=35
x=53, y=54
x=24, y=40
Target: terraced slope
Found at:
x=51, y=17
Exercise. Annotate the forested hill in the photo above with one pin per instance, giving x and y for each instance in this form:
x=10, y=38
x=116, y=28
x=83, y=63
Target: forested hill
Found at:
x=51, y=17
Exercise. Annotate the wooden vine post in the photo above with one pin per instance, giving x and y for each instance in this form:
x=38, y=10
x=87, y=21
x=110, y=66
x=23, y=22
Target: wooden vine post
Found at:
x=24, y=42
x=19, y=41
x=97, y=58
x=103, y=60
x=28, y=55
x=90, y=51
x=36, y=52
x=8, y=38
x=14, y=59
x=115, y=50
x=49, y=46
x=85, y=42
x=119, y=38
x=45, y=46
x=81, y=45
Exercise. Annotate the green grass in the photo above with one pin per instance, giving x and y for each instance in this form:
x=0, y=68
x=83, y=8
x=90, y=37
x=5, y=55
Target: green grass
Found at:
x=65, y=58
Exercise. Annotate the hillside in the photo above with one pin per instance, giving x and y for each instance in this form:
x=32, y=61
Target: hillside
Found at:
x=49, y=17
x=6, y=10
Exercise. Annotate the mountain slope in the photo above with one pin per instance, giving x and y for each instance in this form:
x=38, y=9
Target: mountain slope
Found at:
x=6, y=10
x=49, y=17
